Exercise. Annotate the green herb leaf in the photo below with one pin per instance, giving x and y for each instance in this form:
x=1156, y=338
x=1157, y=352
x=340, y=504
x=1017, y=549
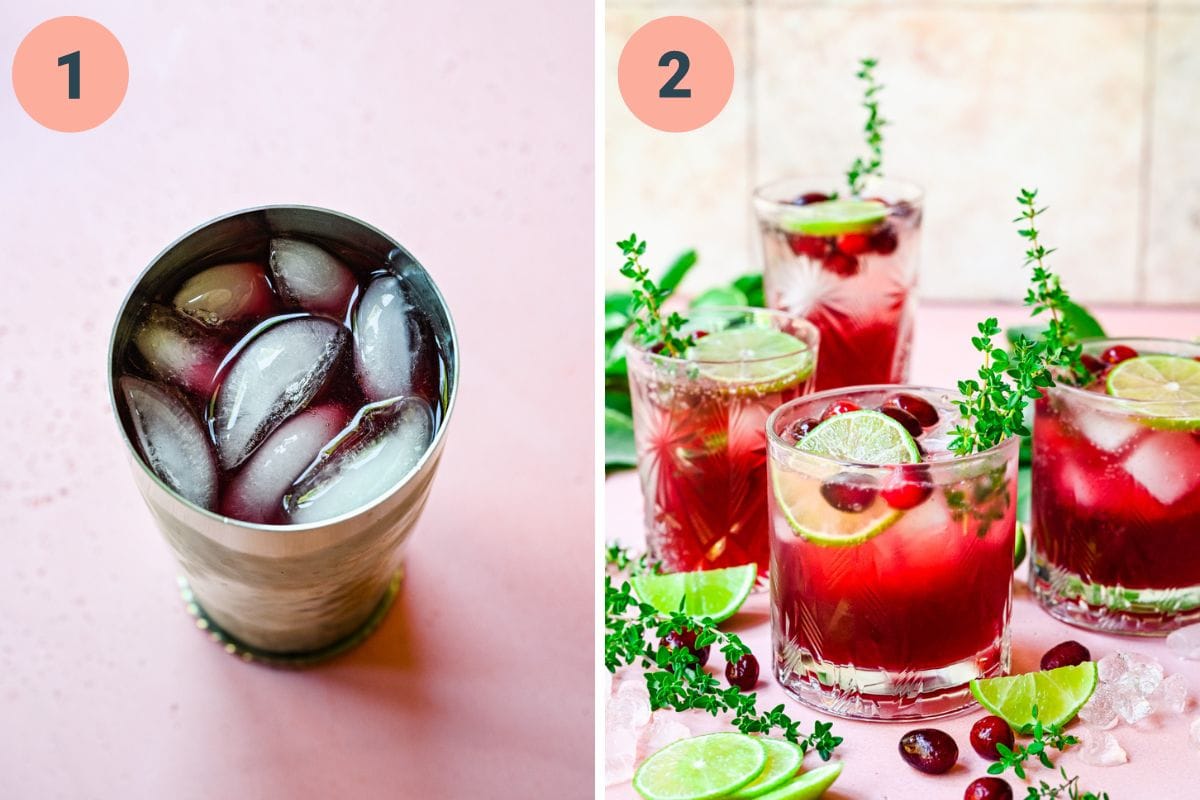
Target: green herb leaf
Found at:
x=677, y=272
x=649, y=323
x=752, y=286
x=872, y=130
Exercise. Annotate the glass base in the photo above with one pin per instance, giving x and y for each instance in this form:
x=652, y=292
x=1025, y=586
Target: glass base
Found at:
x=1112, y=609
x=246, y=652
x=843, y=690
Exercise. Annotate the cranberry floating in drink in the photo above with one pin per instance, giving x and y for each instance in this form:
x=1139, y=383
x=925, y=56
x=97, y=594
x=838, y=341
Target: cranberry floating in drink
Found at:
x=283, y=376
x=1116, y=490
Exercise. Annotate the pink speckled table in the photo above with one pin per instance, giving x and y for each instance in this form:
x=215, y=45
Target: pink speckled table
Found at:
x=430, y=121
x=1162, y=763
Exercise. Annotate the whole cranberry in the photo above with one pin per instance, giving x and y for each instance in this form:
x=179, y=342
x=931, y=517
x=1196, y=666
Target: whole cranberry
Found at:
x=906, y=419
x=685, y=638
x=812, y=246
x=1065, y=654
x=849, y=492
x=929, y=750
x=839, y=407
x=840, y=263
x=906, y=488
x=988, y=732
x=801, y=428
x=743, y=673
x=990, y=788
x=854, y=244
x=1118, y=353
x=884, y=241
x=919, y=407
x=1093, y=364
x=810, y=197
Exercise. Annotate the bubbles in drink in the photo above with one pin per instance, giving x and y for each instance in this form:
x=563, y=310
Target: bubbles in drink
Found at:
x=171, y=440
x=277, y=373
x=275, y=404
x=380, y=447
x=310, y=278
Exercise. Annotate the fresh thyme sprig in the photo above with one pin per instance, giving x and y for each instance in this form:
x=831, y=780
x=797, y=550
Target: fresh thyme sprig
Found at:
x=1046, y=294
x=674, y=678
x=1044, y=736
x=861, y=169
x=1068, y=789
x=650, y=324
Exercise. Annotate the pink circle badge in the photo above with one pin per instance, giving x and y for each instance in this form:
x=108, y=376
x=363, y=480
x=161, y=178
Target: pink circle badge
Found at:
x=675, y=74
x=70, y=74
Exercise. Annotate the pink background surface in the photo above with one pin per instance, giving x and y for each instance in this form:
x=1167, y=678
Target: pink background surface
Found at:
x=463, y=129
x=1162, y=763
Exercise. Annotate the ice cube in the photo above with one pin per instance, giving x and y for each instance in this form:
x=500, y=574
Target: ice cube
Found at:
x=275, y=374
x=171, y=440
x=1101, y=749
x=663, y=729
x=1143, y=673
x=1107, y=431
x=311, y=278
x=177, y=350
x=226, y=293
x=1185, y=642
x=1112, y=667
x=1099, y=712
x=389, y=345
x=1165, y=463
x=1133, y=707
x=1171, y=694
x=625, y=714
x=375, y=452
x=256, y=493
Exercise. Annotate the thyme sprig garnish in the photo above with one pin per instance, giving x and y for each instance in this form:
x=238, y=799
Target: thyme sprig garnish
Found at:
x=650, y=323
x=1044, y=737
x=674, y=678
x=861, y=169
x=1068, y=789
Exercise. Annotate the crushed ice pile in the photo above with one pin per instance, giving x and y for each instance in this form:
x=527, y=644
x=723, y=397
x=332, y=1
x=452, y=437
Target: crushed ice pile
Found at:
x=1131, y=688
x=631, y=730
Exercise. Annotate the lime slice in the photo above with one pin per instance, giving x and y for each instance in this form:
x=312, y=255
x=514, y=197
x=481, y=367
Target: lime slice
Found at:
x=1166, y=384
x=1057, y=693
x=834, y=217
x=862, y=437
x=701, y=768
x=716, y=593
x=783, y=761
x=808, y=786
x=811, y=516
x=758, y=359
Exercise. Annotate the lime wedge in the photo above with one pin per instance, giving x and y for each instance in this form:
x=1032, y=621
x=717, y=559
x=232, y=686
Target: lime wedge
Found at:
x=834, y=217
x=701, y=768
x=810, y=785
x=1019, y=545
x=1058, y=694
x=761, y=359
x=783, y=761
x=716, y=593
x=1166, y=385
x=862, y=437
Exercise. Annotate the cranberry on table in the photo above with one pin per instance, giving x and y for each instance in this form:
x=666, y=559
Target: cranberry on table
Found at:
x=1118, y=353
x=685, y=638
x=906, y=419
x=801, y=428
x=884, y=241
x=907, y=487
x=919, y=407
x=840, y=407
x=990, y=788
x=743, y=673
x=849, y=492
x=840, y=263
x=929, y=750
x=1065, y=654
x=988, y=732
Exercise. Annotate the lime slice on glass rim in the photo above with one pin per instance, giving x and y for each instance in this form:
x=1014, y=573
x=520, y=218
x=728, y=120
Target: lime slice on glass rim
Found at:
x=762, y=359
x=834, y=217
x=809, y=786
x=701, y=768
x=860, y=437
x=715, y=593
x=783, y=761
x=1165, y=384
x=1057, y=693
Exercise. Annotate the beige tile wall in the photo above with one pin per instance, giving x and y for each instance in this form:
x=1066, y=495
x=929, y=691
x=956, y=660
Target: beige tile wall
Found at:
x=1096, y=102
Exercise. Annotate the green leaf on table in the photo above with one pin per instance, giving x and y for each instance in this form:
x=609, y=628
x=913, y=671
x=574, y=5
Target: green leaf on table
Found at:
x=719, y=296
x=619, y=449
x=752, y=286
x=677, y=272
x=1082, y=323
